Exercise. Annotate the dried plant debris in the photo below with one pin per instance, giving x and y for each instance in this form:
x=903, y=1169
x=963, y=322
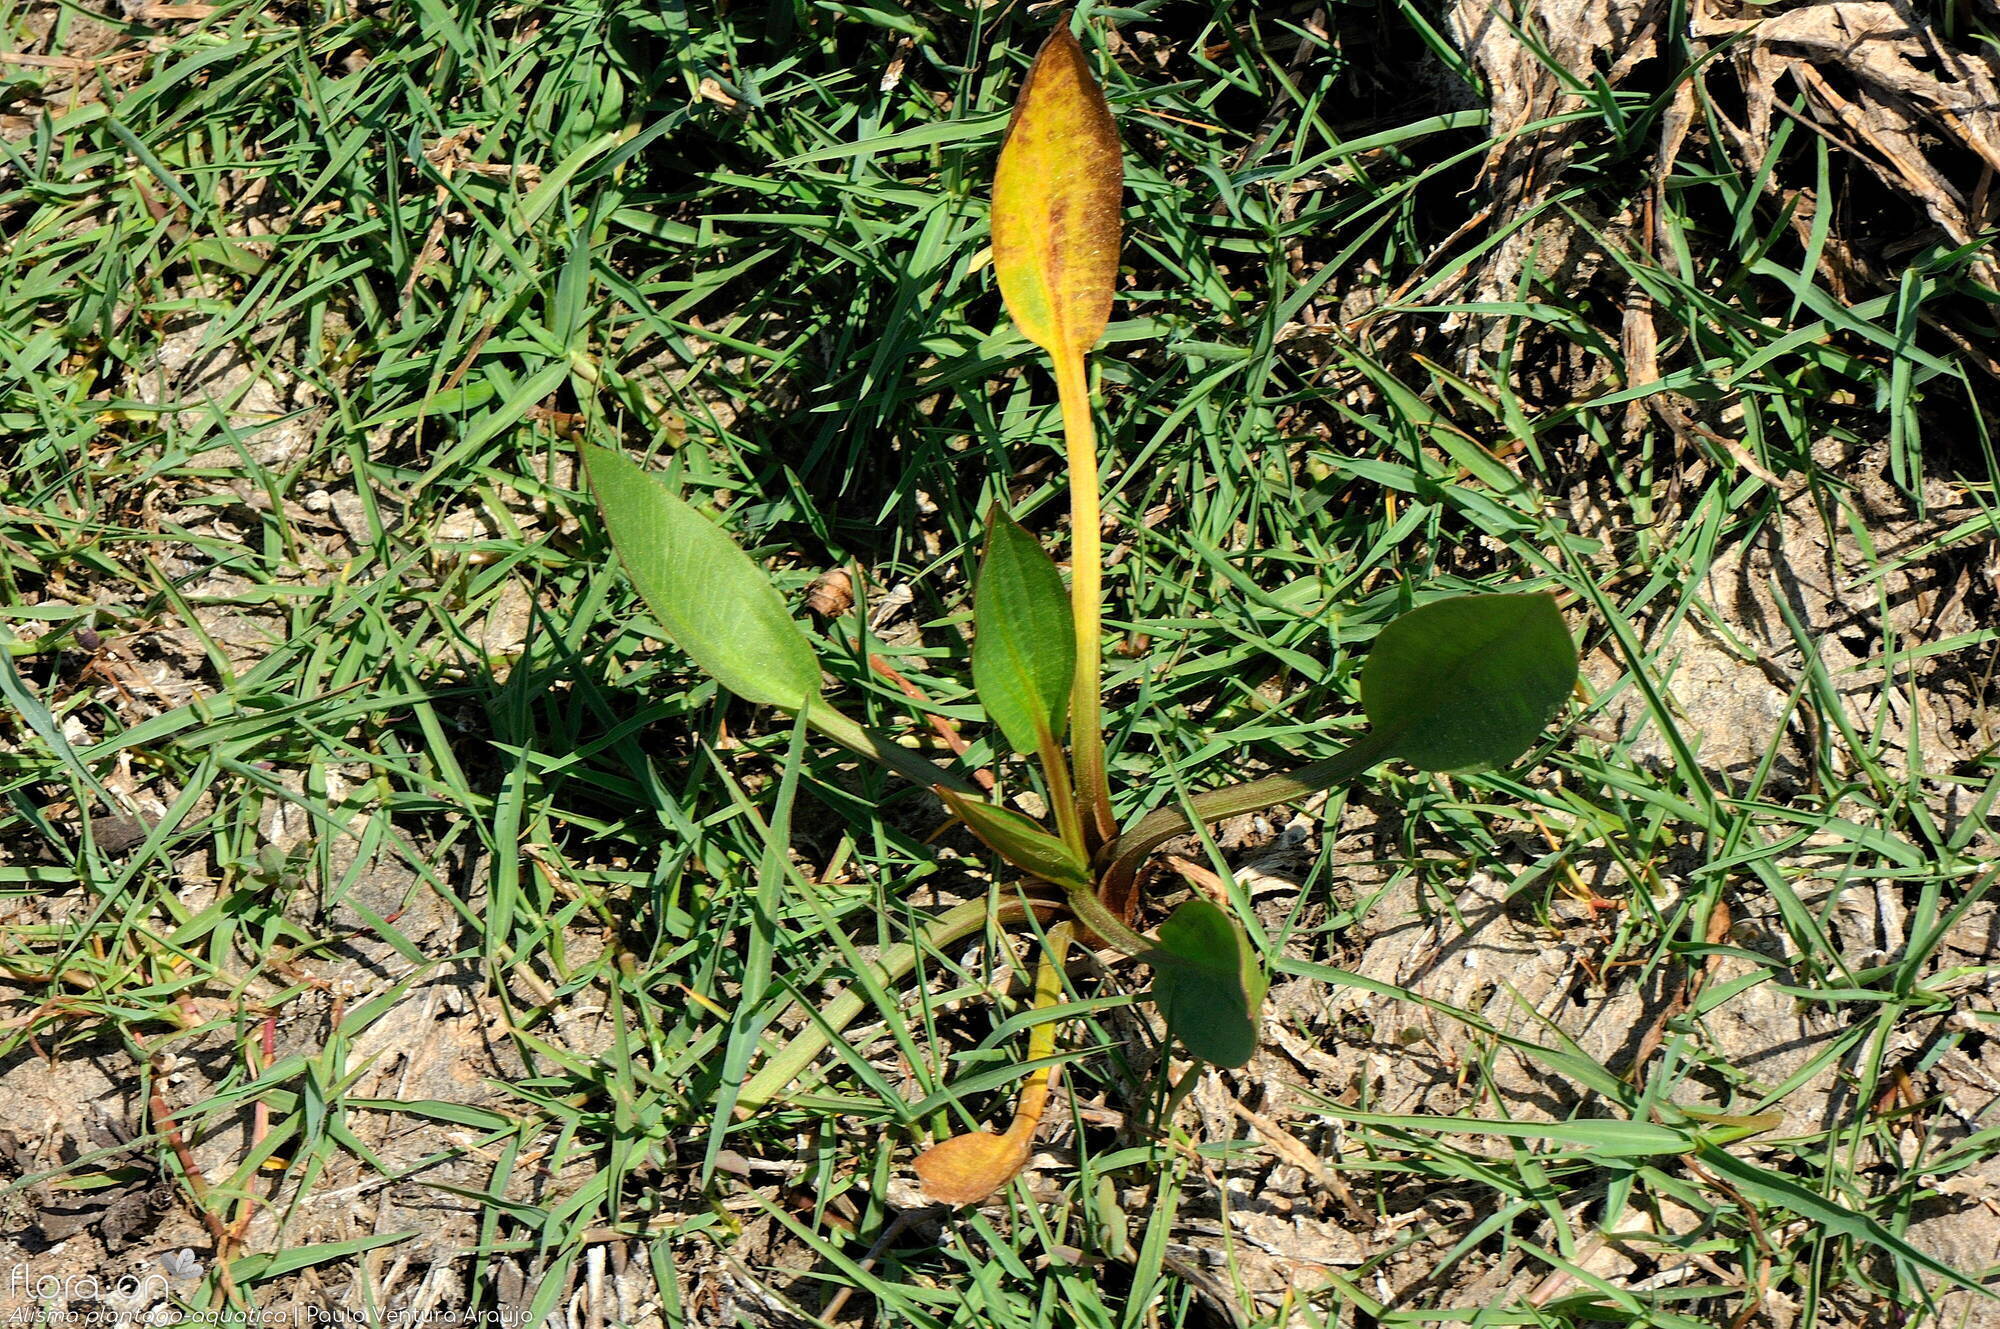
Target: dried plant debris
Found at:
x=1881, y=85
x=1879, y=82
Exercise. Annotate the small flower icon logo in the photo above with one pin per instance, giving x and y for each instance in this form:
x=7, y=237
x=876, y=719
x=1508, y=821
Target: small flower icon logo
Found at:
x=181, y=1265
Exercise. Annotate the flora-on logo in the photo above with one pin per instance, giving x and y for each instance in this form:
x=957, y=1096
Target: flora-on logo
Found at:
x=147, y=1282
x=181, y=1265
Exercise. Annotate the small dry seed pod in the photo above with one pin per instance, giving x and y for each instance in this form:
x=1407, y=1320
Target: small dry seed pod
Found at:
x=832, y=594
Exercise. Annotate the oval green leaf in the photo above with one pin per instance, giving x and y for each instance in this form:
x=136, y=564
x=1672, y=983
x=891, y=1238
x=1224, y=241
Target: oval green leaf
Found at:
x=1207, y=983
x=1019, y=840
x=1024, y=642
x=1468, y=682
x=707, y=595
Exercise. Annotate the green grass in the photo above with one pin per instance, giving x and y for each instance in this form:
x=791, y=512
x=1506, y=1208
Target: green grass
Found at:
x=728, y=238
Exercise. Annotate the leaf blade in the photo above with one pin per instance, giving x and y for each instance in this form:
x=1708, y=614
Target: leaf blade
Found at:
x=1024, y=640
x=1778, y=1189
x=709, y=597
x=1471, y=681
x=1019, y=840
x=1207, y=983
x=968, y=1168
x=1056, y=194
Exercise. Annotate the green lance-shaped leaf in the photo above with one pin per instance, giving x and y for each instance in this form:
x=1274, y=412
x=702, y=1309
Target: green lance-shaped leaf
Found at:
x=1865, y=1230
x=711, y=599
x=1469, y=682
x=1024, y=641
x=1020, y=841
x=1207, y=983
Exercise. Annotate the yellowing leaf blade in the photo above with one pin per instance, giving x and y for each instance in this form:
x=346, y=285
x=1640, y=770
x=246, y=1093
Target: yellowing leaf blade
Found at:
x=967, y=1169
x=1056, y=194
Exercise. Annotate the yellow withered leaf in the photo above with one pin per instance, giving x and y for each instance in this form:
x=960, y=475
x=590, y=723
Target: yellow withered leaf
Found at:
x=968, y=1168
x=1056, y=194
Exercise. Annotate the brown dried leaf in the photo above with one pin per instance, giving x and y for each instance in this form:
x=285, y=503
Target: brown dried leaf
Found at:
x=968, y=1168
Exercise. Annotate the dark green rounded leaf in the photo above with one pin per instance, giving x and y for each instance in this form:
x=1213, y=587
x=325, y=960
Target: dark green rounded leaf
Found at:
x=1207, y=984
x=709, y=597
x=1023, y=642
x=1469, y=682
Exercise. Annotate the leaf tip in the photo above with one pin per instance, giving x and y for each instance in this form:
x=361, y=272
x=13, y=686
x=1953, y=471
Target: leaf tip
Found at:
x=969, y=1168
